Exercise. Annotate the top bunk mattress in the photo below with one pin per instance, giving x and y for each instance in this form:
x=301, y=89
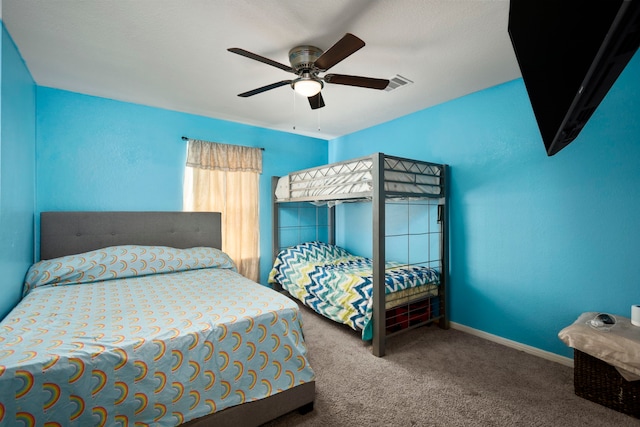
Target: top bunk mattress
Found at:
x=354, y=179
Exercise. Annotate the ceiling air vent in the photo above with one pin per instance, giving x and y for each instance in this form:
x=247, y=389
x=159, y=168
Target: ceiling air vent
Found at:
x=396, y=82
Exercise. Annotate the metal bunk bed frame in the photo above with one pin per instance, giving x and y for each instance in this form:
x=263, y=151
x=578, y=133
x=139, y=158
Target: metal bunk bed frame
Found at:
x=378, y=195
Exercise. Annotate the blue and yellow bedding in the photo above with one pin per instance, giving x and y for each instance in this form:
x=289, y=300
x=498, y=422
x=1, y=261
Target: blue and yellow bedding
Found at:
x=144, y=335
x=339, y=285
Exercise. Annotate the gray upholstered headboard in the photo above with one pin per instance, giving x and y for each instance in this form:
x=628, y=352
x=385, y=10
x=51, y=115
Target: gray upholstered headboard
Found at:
x=67, y=233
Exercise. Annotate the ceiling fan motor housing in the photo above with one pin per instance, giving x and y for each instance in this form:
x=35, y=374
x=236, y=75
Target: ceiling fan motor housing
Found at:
x=302, y=58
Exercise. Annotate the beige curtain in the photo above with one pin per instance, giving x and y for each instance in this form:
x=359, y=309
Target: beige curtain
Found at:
x=224, y=178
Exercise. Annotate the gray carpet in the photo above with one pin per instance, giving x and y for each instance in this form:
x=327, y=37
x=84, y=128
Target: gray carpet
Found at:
x=433, y=377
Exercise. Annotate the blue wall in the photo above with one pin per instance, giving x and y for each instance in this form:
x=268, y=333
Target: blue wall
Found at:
x=535, y=240
x=99, y=154
x=17, y=172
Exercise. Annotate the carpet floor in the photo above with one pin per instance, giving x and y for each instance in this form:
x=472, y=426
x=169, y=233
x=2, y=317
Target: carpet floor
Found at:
x=435, y=377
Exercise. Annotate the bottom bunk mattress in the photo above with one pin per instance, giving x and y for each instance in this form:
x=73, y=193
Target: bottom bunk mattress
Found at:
x=339, y=285
x=146, y=336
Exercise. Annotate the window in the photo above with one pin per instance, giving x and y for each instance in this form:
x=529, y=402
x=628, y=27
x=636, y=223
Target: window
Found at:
x=225, y=178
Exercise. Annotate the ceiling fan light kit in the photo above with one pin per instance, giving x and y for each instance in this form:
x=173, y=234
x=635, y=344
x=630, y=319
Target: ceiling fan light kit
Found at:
x=307, y=62
x=307, y=87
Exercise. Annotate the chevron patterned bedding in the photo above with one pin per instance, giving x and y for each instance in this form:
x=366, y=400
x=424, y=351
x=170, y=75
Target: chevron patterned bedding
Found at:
x=136, y=335
x=339, y=285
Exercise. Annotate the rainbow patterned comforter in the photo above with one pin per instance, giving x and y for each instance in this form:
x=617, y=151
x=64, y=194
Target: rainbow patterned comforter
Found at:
x=339, y=285
x=144, y=335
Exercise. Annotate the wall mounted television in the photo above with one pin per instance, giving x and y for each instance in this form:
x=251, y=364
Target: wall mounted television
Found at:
x=570, y=53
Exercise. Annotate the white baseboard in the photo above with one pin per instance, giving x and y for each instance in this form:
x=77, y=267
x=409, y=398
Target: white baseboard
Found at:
x=514, y=344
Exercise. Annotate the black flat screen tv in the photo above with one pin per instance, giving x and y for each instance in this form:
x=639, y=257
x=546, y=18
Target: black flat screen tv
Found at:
x=570, y=53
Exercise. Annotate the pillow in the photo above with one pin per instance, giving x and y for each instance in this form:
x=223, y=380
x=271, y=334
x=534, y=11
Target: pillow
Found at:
x=315, y=252
x=117, y=262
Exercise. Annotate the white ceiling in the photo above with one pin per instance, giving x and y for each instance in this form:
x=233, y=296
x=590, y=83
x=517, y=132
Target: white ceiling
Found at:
x=173, y=54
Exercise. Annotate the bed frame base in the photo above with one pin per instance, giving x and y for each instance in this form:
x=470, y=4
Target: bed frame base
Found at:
x=261, y=411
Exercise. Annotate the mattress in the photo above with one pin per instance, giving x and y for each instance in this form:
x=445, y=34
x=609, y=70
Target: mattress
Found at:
x=144, y=335
x=354, y=179
x=339, y=285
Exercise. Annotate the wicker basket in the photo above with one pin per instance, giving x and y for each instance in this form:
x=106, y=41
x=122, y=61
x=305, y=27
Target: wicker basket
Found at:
x=600, y=382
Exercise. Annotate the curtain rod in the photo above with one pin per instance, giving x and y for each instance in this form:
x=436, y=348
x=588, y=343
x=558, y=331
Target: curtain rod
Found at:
x=184, y=138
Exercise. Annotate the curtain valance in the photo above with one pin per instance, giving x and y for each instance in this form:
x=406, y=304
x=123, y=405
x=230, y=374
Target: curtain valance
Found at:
x=223, y=157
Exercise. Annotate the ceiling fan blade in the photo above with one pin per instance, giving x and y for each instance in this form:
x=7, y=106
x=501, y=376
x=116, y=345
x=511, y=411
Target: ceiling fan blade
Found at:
x=262, y=59
x=339, y=51
x=368, y=82
x=316, y=101
x=265, y=88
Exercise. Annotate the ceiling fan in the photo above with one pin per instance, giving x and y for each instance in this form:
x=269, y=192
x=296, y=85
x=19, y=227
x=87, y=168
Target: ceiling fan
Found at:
x=309, y=61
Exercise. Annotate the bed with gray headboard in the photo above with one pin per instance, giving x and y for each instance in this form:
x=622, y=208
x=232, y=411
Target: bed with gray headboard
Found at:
x=145, y=314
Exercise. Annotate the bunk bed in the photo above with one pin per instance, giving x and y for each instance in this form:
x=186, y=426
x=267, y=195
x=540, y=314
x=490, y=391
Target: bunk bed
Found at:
x=140, y=318
x=381, y=181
